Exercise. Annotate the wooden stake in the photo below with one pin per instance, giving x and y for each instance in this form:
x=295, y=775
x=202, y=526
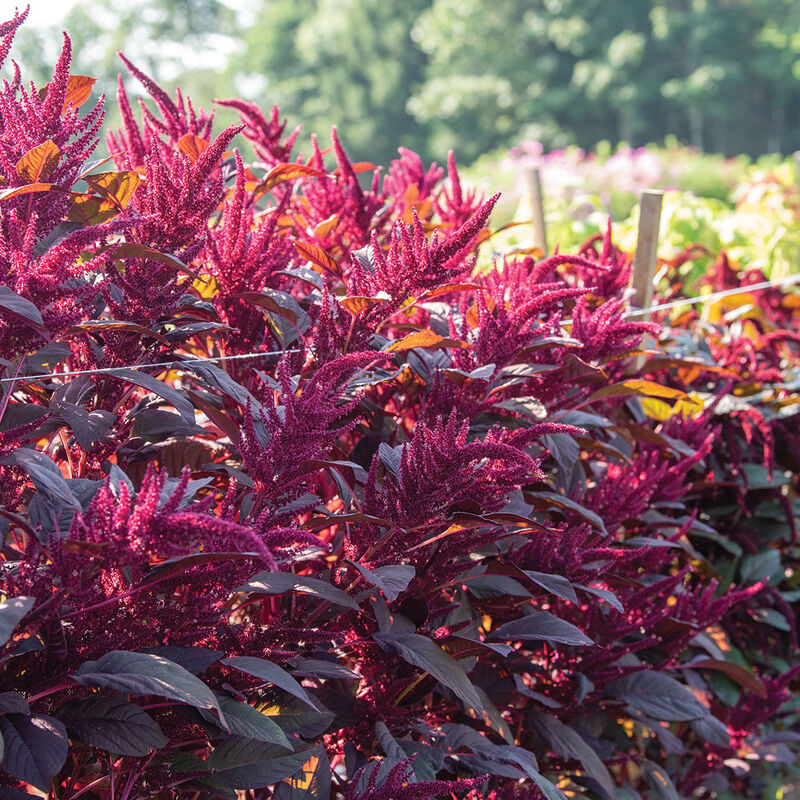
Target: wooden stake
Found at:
x=797, y=167
x=646, y=258
x=534, y=183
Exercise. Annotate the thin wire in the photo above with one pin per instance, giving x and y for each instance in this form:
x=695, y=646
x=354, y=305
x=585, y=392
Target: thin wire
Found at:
x=704, y=298
x=176, y=363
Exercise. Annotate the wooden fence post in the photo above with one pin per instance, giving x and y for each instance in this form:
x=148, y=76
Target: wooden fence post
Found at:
x=646, y=257
x=534, y=186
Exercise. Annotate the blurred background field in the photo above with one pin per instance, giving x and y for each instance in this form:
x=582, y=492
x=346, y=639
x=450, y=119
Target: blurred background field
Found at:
x=749, y=208
x=466, y=75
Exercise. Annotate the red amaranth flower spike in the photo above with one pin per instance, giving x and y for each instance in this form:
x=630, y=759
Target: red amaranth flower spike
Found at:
x=458, y=205
x=8, y=30
x=177, y=120
x=397, y=784
x=265, y=134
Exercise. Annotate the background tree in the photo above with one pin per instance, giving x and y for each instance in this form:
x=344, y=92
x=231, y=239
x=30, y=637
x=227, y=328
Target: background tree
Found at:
x=352, y=63
x=466, y=74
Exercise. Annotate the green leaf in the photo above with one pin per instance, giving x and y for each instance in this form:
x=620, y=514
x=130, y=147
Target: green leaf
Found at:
x=537, y=624
x=712, y=730
x=483, y=586
x=35, y=748
x=252, y=764
x=8, y=792
x=11, y=612
x=146, y=674
x=87, y=426
x=112, y=724
x=282, y=582
x=272, y=673
x=568, y=504
x=422, y=652
x=507, y=760
x=244, y=720
x=658, y=695
x=761, y=566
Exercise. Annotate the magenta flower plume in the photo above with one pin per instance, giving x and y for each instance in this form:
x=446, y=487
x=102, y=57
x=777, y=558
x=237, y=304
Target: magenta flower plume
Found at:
x=414, y=262
x=264, y=134
x=398, y=784
x=457, y=205
x=178, y=118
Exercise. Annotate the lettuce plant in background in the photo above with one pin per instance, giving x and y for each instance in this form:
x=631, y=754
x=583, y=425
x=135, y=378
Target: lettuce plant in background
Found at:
x=298, y=503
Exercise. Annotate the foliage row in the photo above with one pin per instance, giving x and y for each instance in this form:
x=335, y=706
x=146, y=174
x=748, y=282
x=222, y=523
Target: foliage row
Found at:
x=364, y=522
x=752, y=211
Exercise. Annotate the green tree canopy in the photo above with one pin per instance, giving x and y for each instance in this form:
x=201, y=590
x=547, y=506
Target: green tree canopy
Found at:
x=466, y=74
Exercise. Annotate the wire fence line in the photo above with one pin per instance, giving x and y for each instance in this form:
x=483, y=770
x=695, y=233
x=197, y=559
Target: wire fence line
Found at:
x=705, y=298
x=176, y=363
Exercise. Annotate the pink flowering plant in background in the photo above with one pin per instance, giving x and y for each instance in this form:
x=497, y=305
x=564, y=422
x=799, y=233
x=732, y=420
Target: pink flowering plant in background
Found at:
x=297, y=502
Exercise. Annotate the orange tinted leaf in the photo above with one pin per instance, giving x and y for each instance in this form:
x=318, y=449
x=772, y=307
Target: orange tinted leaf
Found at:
x=326, y=226
x=656, y=409
x=745, y=303
x=31, y=187
x=38, y=162
x=425, y=339
x=668, y=362
x=423, y=209
x=267, y=302
x=287, y=172
x=640, y=388
x=472, y=311
x=316, y=255
x=116, y=325
x=79, y=88
x=117, y=187
x=411, y=195
x=134, y=250
x=89, y=209
x=192, y=146
x=735, y=672
x=356, y=304
x=449, y=288
x=791, y=301
x=362, y=166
